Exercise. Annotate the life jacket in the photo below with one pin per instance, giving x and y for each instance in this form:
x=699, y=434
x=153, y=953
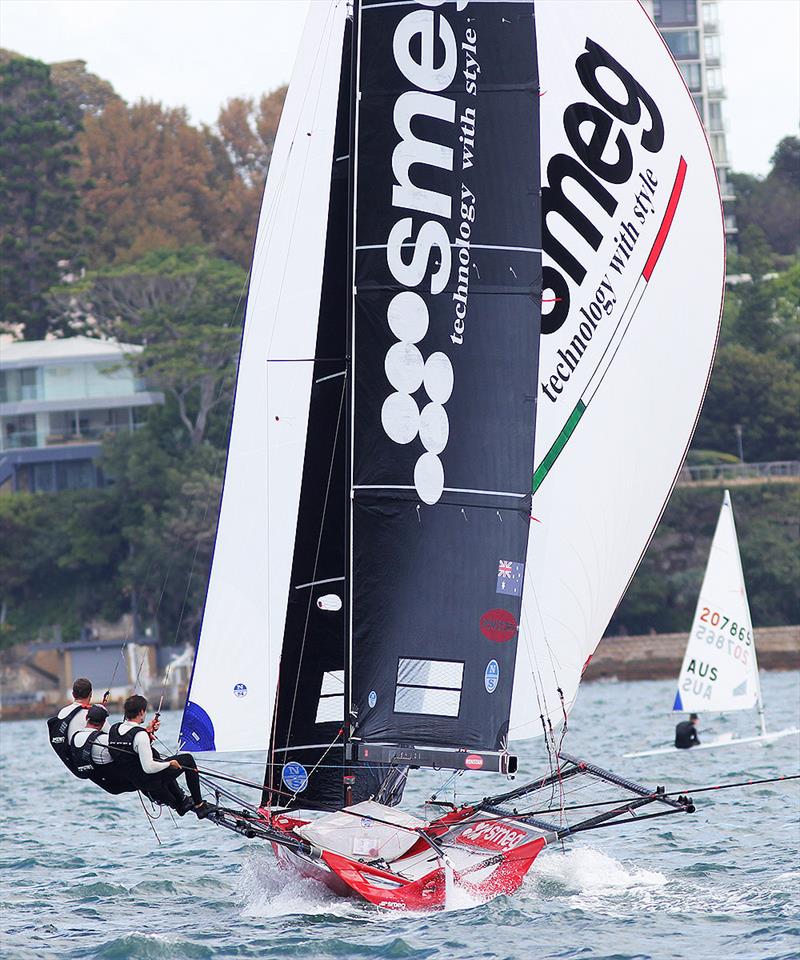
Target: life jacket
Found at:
x=121, y=747
x=57, y=728
x=84, y=766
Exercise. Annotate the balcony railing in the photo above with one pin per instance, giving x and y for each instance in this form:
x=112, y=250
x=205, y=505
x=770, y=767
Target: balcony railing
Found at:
x=89, y=434
x=29, y=438
x=716, y=472
x=18, y=439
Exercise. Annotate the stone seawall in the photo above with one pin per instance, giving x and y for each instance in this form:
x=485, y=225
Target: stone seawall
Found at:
x=657, y=656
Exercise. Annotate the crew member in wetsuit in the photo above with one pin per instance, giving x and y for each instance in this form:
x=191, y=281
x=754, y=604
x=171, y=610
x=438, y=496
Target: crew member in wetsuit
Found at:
x=686, y=733
x=91, y=757
x=129, y=743
x=70, y=719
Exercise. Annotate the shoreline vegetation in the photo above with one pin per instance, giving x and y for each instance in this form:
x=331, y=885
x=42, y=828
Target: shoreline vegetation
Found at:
x=138, y=227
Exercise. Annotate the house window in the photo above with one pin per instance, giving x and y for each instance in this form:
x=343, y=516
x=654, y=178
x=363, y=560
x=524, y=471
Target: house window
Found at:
x=693, y=76
x=714, y=80
x=715, y=115
x=683, y=43
x=675, y=13
x=16, y=385
x=75, y=475
x=710, y=14
x=711, y=48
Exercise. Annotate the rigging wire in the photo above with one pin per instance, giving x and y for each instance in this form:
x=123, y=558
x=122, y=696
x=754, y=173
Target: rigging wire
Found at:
x=516, y=815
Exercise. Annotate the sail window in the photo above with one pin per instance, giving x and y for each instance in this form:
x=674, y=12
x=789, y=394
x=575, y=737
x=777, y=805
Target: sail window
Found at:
x=429, y=686
x=331, y=699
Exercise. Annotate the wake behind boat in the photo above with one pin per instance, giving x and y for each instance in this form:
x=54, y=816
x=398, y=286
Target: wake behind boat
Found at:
x=720, y=670
x=456, y=425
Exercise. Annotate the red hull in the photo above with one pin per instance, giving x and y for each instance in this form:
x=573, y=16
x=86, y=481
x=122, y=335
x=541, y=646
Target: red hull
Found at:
x=493, y=860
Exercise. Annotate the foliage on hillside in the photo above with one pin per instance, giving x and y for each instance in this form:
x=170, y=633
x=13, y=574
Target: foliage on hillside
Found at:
x=664, y=592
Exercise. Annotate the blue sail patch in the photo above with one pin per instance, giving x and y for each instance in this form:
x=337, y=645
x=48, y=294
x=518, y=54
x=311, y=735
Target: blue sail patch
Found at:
x=197, y=729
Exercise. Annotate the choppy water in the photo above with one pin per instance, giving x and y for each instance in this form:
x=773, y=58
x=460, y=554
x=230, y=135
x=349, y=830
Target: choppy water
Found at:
x=83, y=876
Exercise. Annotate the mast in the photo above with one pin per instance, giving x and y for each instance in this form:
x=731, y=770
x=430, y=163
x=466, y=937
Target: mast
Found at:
x=348, y=442
x=759, y=702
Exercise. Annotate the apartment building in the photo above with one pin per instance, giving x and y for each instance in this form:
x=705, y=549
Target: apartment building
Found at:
x=691, y=29
x=58, y=400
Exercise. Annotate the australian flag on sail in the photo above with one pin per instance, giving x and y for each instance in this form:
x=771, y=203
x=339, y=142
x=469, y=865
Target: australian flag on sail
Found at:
x=509, y=577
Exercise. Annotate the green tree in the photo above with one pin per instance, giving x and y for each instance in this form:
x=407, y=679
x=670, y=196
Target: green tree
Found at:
x=772, y=204
x=185, y=307
x=760, y=392
x=58, y=562
x=169, y=505
x=38, y=197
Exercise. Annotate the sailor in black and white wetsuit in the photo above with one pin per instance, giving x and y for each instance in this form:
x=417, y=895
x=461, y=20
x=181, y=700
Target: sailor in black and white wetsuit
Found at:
x=129, y=743
x=70, y=719
x=91, y=757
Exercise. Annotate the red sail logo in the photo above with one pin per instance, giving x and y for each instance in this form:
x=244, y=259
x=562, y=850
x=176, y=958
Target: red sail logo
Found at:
x=473, y=761
x=498, y=625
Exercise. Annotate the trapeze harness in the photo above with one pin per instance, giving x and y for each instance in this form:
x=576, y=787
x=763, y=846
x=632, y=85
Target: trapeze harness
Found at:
x=121, y=747
x=84, y=766
x=57, y=728
x=107, y=776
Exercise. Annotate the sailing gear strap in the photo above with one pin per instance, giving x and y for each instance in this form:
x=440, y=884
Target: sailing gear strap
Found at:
x=83, y=763
x=57, y=728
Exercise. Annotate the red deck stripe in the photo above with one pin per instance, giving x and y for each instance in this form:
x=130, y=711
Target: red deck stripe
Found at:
x=666, y=223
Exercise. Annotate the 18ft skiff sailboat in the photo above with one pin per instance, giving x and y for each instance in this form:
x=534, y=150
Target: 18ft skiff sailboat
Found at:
x=483, y=308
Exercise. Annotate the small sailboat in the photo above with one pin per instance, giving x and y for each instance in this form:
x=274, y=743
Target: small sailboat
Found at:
x=720, y=669
x=468, y=379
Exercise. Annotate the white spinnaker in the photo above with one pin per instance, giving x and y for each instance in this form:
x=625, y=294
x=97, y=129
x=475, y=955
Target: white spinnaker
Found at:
x=626, y=411
x=719, y=671
x=236, y=665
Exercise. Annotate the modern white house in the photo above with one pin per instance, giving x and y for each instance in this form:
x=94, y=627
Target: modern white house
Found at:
x=58, y=400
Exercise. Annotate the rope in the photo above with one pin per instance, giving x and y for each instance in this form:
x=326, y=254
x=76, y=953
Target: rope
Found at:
x=150, y=817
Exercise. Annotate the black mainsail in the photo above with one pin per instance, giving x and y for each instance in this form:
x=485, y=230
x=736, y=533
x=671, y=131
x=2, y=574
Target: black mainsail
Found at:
x=447, y=302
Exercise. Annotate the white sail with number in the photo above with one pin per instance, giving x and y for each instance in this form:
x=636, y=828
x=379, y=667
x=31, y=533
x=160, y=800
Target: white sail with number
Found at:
x=719, y=671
